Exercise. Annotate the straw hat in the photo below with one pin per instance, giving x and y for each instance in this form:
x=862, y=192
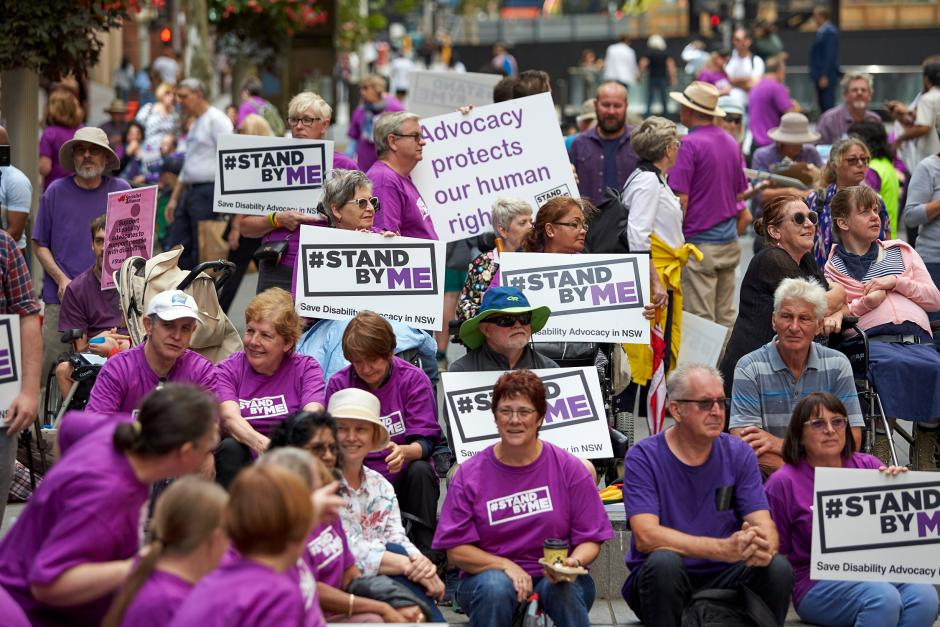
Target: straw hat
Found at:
x=88, y=135
x=793, y=129
x=356, y=404
x=588, y=112
x=117, y=106
x=699, y=96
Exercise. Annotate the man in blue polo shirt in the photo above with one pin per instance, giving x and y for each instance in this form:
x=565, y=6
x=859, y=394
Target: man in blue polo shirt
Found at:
x=770, y=381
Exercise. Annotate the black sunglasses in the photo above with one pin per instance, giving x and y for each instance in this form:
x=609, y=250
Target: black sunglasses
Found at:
x=509, y=321
x=800, y=218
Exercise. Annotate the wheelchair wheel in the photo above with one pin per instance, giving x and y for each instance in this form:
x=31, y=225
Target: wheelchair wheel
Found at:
x=52, y=400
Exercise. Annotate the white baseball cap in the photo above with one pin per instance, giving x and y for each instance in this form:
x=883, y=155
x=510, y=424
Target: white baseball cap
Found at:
x=173, y=305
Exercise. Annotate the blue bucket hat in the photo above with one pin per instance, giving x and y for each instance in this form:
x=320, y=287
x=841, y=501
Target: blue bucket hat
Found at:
x=501, y=300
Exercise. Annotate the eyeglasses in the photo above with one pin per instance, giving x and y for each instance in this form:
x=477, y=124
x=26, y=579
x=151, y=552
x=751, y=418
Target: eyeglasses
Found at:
x=414, y=136
x=364, y=203
x=510, y=321
x=81, y=149
x=319, y=450
x=508, y=412
x=303, y=121
x=734, y=119
x=821, y=424
x=854, y=161
x=800, y=217
x=705, y=404
x=577, y=225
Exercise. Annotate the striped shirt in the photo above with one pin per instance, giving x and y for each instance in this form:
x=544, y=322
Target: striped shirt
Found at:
x=890, y=262
x=765, y=392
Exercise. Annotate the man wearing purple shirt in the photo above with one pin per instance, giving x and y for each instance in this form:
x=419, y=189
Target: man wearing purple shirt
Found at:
x=856, y=95
x=399, y=145
x=375, y=102
x=768, y=101
x=697, y=510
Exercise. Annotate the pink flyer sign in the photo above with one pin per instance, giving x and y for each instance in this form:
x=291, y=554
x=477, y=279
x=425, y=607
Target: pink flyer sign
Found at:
x=129, y=229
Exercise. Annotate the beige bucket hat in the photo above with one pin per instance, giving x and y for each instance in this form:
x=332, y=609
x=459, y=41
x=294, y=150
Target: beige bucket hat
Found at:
x=89, y=135
x=793, y=129
x=699, y=96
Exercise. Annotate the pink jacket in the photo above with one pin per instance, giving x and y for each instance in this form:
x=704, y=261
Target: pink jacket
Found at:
x=914, y=295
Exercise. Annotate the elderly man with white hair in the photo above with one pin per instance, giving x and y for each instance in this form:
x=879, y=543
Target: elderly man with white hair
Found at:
x=770, y=381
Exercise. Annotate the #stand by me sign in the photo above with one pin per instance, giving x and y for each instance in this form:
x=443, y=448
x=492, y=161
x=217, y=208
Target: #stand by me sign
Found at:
x=512, y=148
x=440, y=93
x=341, y=272
x=11, y=361
x=574, y=420
x=593, y=298
x=259, y=175
x=871, y=527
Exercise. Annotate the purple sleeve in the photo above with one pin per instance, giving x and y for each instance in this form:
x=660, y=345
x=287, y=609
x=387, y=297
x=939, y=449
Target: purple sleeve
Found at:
x=777, y=498
x=454, y=528
x=873, y=180
x=589, y=521
x=742, y=179
x=47, y=146
x=389, y=218
x=782, y=98
x=313, y=390
x=71, y=315
x=639, y=494
x=78, y=537
x=225, y=382
x=420, y=410
x=680, y=177
x=749, y=487
x=42, y=229
x=107, y=392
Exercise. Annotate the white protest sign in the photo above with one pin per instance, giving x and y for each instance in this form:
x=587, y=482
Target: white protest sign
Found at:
x=11, y=361
x=701, y=340
x=342, y=272
x=510, y=148
x=574, y=417
x=593, y=298
x=439, y=93
x=871, y=527
x=259, y=175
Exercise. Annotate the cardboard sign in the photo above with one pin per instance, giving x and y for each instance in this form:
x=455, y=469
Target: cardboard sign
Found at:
x=593, y=298
x=701, y=340
x=574, y=420
x=871, y=527
x=11, y=361
x=258, y=175
x=440, y=93
x=510, y=149
x=342, y=272
x=128, y=230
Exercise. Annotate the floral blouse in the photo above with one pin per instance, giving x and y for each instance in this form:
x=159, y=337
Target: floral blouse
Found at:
x=371, y=519
x=480, y=275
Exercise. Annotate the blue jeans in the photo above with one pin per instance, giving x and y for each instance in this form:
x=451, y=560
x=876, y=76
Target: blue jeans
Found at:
x=490, y=599
x=417, y=590
x=869, y=603
x=934, y=270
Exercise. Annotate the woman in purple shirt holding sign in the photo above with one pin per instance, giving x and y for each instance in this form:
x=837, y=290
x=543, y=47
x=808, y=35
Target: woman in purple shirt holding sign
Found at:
x=817, y=437
x=506, y=501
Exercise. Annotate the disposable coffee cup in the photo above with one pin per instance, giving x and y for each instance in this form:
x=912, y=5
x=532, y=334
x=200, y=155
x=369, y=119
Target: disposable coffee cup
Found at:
x=555, y=551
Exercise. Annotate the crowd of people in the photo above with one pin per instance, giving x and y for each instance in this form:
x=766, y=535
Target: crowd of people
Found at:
x=298, y=480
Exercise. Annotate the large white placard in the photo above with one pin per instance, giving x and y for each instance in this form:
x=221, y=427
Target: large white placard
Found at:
x=439, y=93
x=871, y=527
x=574, y=420
x=593, y=298
x=701, y=340
x=11, y=361
x=510, y=148
x=258, y=175
x=342, y=272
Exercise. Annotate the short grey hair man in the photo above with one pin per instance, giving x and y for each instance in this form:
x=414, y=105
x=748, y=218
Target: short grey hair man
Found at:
x=677, y=382
x=194, y=85
x=851, y=77
x=805, y=290
x=389, y=124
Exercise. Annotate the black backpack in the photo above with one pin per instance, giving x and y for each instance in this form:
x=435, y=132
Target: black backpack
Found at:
x=608, y=232
x=722, y=607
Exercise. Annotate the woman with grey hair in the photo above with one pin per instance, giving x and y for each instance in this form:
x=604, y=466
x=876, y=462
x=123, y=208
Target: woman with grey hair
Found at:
x=348, y=202
x=512, y=220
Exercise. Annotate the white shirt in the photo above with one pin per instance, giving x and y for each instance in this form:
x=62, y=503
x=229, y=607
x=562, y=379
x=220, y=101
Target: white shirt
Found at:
x=16, y=194
x=928, y=108
x=620, y=64
x=202, y=142
x=654, y=208
x=743, y=67
x=401, y=69
x=167, y=68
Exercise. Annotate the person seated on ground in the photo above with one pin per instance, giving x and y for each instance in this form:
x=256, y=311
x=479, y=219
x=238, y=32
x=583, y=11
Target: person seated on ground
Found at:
x=328, y=555
x=95, y=312
x=408, y=410
x=371, y=516
x=77, y=540
x=263, y=384
x=793, y=142
x=770, y=380
x=817, y=437
x=890, y=290
x=188, y=543
x=697, y=510
x=268, y=517
x=498, y=552
x=497, y=337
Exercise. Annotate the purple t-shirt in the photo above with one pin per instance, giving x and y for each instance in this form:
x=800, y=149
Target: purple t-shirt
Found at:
x=11, y=612
x=86, y=307
x=157, y=601
x=403, y=209
x=126, y=379
x=266, y=401
x=407, y=405
x=328, y=555
x=684, y=497
x=766, y=103
x=49, y=145
x=87, y=509
x=62, y=225
x=708, y=170
x=75, y=425
x=361, y=124
x=242, y=593
x=509, y=511
x=790, y=494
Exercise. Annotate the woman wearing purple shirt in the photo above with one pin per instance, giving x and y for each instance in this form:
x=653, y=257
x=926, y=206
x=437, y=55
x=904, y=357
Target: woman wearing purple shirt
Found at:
x=188, y=543
x=506, y=500
x=64, y=116
x=263, y=384
x=817, y=437
x=74, y=544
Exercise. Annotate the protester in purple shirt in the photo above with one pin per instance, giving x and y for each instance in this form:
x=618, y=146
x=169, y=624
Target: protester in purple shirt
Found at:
x=856, y=94
x=375, y=103
x=818, y=437
x=399, y=144
x=506, y=501
x=260, y=386
x=74, y=544
x=308, y=117
x=268, y=517
x=768, y=100
x=697, y=511
x=64, y=115
x=188, y=543
x=12, y=613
